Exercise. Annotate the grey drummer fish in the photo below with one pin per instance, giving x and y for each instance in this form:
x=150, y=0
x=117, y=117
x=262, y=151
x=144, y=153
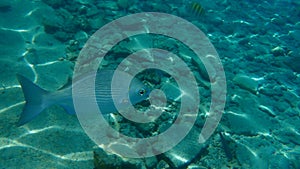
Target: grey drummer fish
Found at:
x=37, y=99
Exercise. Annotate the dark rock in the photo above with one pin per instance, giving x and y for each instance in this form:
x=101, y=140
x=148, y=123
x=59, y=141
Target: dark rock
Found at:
x=54, y=3
x=279, y=161
x=227, y=28
x=111, y=161
x=295, y=156
x=248, y=159
x=295, y=34
x=51, y=28
x=243, y=41
x=62, y=36
x=287, y=136
x=97, y=22
x=5, y=8
x=202, y=70
x=82, y=23
x=172, y=91
x=217, y=21
x=124, y=4
x=250, y=55
x=293, y=63
x=163, y=165
x=151, y=162
x=186, y=151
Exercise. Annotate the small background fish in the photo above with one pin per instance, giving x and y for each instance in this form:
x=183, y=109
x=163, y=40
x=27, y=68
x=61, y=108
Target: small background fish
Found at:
x=196, y=9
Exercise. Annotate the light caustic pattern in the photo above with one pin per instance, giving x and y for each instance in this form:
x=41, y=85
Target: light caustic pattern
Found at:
x=63, y=159
x=161, y=24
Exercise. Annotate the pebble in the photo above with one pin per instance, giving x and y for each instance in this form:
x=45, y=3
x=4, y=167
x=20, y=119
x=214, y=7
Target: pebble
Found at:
x=93, y=10
x=297, y=25
x=246, y=83
x=124, y=4
x=266, y=110
x=151, y=162
x=81, y=37
x=97, y=23
x=278, y=21
x=295, y=34
x=163, y=165
x=195, y=166
x=278, y=51
x=85, y=2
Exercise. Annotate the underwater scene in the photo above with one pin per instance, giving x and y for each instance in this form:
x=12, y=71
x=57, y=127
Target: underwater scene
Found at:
x=160, y=84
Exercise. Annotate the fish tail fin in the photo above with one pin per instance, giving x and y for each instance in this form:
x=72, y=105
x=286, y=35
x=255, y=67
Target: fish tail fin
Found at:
x=35, y=100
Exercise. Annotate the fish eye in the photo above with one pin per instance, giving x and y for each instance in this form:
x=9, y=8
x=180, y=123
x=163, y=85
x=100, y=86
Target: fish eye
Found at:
x=142, y=92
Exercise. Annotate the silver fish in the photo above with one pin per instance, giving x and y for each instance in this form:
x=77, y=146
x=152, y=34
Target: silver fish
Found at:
x=37, y=99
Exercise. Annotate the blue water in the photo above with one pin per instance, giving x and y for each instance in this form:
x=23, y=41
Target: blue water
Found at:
x=258, y=45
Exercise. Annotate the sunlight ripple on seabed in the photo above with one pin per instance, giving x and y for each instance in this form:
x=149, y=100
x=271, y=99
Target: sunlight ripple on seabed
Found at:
x=11, y=106
x=77, y=156
x=35, y=131
x=47, y=63
x=237, y=114
x=32, y=66
x=31, y=12
x=33, y=69
x=15, y=30
x=9, y=87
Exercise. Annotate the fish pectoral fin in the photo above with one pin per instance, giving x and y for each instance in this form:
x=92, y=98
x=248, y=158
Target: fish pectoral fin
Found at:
x=68, y=84
x=69, y=107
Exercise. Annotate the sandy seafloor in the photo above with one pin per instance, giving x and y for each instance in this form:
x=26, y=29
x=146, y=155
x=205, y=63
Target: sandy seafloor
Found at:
x=258, y=44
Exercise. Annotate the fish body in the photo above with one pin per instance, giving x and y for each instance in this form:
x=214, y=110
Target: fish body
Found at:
x=37, y=99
